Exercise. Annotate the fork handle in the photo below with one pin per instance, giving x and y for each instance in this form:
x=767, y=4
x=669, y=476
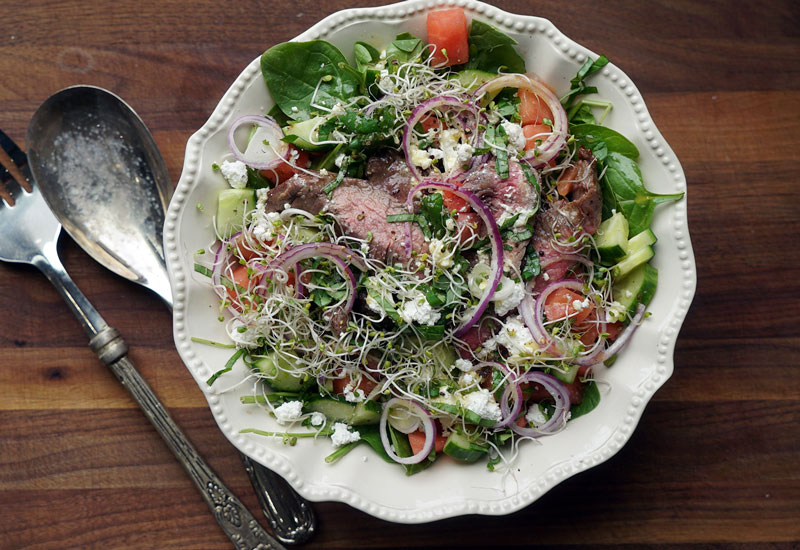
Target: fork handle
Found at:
x=235, y=519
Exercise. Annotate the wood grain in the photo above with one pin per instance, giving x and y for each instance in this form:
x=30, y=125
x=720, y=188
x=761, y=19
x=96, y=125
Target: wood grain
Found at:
x=714, y=461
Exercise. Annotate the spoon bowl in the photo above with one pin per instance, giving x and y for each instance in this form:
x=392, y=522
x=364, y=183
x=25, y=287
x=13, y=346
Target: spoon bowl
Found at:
x=102, y=175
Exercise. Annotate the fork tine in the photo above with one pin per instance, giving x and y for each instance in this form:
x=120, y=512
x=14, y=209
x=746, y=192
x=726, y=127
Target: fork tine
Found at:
x=5, y=178
x=17, y=168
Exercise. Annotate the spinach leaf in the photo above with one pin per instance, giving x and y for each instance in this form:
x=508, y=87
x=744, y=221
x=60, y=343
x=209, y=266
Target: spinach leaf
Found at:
x=405, y=47
x=578, y=86
x=591, y=398
x=582, y=115
x=364, y=55
x=255, y=180
x=491, y=50
x=293, y=71
x=595, y=137
x=624, y=180
x=530, y=264
x=403, y=449
x=371, y=436
x=496, y=136
x=431, y=208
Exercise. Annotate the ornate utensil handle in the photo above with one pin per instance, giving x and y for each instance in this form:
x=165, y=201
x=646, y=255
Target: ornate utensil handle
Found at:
x=235, y=519
x=289, y=515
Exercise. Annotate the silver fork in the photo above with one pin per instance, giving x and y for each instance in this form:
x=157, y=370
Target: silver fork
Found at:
x=29, y=234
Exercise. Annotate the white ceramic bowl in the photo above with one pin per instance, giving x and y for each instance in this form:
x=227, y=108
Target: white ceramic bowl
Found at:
x=447, y=489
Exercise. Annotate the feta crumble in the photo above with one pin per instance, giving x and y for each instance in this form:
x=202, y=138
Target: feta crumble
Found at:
x=509, y=296
x=616, y=312
x=235, y=173
x=288, y=412
x=417, y=308
x=535, y=415
x=515, y=135
x=482, y=403
x=515, y=337
x=342, y=435
x=464, y=365
x=440, y=255
x=353, y=395
x=317, y=419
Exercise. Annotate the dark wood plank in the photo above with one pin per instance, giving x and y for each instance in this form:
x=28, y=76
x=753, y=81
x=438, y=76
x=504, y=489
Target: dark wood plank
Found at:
x=713, y=463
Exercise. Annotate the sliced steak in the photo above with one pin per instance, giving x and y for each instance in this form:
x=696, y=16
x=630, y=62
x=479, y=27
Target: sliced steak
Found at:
x=503, y=196
x=388, y=169
x=580, y=212
x=360, y=209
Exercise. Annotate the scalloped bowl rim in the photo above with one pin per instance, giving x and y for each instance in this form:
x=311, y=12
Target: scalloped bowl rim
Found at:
x=639, y=372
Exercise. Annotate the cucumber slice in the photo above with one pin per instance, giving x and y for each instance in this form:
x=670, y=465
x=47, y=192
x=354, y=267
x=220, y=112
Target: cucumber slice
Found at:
x=640, y=240
x=638, y=287
x=461, y=448
x=302, y=131
x=469, y=416
x=567, y=374
x=232, y=205
x=472, y=79
x=634, y=259
x=612, y=238
x=277, y=371
x=354, y=414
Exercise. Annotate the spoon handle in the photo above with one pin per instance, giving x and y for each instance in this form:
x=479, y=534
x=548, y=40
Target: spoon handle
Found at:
x=235, y=519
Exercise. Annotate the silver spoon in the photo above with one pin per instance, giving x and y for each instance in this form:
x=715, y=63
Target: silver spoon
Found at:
x=103, y=177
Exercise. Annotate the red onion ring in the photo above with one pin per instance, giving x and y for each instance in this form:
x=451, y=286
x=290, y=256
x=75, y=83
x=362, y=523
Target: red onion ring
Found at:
x=421, y=110
x=556, y=141
x=494, y=237
x=427, y=423
x=625, y=336
x=562, y=403
x=280, y=156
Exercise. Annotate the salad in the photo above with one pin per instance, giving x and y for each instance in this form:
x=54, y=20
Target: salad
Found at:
x=427, y=250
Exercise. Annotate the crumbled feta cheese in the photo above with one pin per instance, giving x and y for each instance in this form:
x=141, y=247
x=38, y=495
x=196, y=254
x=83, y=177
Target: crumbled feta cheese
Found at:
x=464, y=365
x=454, y=152
x=546, y=276
x=515, y=135
x=421, y=158
x=464, y=153
x=235, y=173
x=616, y=312
x=261, y=198
x=339, y=159
x=510, y=297
x=264, y=228
x=440, y=255
x=417, y=308
x=467, y=379
x=535, y=415
x=294, y=107
x=580, y=305
x=450, y=224
x=482, y=403
x=317, y=419
x=342, y=435
x=288, y=412
x=353, y=395
x=515, y=337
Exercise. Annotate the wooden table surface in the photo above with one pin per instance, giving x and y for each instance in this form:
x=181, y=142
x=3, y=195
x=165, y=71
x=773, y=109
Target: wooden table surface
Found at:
x=714, y=462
